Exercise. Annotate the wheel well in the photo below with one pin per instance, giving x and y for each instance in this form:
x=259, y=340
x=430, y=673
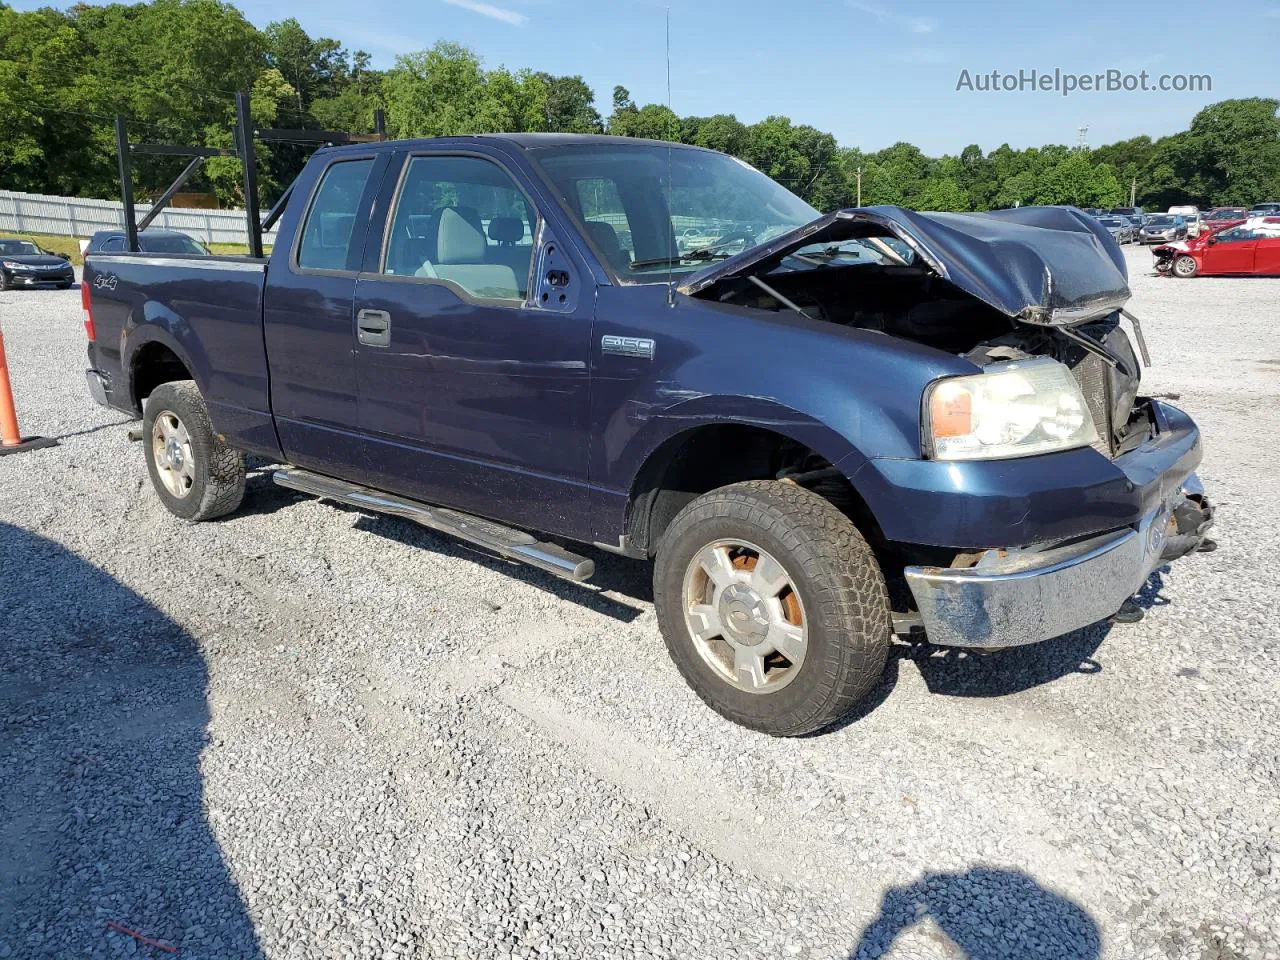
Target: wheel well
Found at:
x=694, y=462
x=155, y=364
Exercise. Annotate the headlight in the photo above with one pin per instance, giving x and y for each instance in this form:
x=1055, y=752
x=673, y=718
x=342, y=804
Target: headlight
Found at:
x=13, y=265
x=1014, y=409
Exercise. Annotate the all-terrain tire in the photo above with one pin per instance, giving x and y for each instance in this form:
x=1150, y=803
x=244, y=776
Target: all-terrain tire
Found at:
x=215, y=485
x=830, y=567
x=1185, y=267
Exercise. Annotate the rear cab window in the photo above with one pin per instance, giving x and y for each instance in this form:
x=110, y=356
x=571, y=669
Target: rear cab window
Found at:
x=328, y=237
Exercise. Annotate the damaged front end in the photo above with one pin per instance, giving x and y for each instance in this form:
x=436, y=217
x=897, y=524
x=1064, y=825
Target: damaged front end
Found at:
x=997, y=287
x=1010, y=291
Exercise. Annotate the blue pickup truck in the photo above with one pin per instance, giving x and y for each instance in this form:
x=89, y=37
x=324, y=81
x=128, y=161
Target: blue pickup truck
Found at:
x=823, y=430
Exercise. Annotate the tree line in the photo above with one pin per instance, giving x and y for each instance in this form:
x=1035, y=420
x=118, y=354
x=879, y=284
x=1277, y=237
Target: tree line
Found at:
x=173, y=67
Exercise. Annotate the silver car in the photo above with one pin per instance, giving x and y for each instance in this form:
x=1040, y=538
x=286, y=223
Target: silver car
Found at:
x=1163, y=227
x=1119, y=227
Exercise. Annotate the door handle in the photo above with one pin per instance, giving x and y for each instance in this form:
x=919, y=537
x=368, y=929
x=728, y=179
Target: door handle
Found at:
x=373, y=328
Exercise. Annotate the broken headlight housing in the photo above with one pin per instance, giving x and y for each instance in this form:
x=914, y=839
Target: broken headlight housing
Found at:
x=1012, y=409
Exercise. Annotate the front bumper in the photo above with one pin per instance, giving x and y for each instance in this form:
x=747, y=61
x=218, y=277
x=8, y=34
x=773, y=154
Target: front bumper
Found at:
x=29, y=279
x=1016, y=597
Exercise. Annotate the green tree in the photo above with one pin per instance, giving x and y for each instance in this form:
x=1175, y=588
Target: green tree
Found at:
x=570, y=105
x=942, y=193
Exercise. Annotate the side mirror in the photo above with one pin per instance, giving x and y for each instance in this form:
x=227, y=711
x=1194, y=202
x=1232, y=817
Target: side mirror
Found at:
x=1212, y=240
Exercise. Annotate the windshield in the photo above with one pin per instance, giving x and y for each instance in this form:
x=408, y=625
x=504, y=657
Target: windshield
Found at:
x=1226, y=214
x=1160, y=222
x=1111, y=221
x=172, y=243
x=718, y=206
x=19, y=248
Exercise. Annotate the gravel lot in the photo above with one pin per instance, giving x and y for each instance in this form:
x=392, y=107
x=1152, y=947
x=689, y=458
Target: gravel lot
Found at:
x=308, y=732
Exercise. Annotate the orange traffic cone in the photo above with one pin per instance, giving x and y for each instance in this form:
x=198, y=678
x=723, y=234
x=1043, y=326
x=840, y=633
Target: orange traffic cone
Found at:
x=11, y=440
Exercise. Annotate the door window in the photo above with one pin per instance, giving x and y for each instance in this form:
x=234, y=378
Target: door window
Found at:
x=462, y=220
x=1235, y=235
x=329, y=230
x=605, y=219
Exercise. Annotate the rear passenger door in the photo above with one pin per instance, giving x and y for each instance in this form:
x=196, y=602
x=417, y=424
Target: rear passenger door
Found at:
x=473, y=332
x=309, y=324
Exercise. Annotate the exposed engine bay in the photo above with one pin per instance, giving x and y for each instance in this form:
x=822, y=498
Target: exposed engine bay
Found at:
x=913, y=303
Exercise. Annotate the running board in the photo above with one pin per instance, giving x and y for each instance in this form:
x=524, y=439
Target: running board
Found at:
x=504, y=541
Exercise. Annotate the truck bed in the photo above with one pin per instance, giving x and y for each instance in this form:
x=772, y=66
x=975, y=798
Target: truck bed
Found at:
x=207, y=312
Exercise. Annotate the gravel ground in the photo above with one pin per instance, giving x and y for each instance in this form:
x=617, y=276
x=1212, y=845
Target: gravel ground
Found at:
x=308, y=732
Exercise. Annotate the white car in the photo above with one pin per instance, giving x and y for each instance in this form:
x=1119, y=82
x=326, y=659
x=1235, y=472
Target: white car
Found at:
x=1191, y=216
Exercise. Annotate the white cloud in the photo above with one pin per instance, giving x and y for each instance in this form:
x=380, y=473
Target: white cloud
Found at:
x=490, y=11
x=886, y=15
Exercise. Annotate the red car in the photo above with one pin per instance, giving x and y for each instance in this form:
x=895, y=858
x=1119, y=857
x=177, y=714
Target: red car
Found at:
x=1220, y=217
x=1251, y=248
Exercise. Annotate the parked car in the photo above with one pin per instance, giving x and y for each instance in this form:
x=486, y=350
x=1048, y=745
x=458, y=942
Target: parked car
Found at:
x=1121, y=228
x=149, y=241
x=1128, y=211
x=1190, y=215
x=1161, y=227
x=873, y=403
x=1095, y=211
x=24, y=263
x=1265, y=210
x=1220, y=217
x=1251, y=248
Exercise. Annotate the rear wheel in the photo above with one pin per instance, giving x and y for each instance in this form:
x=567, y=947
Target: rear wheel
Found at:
x=1185, y=266
x=197, y=476
x=772, y=606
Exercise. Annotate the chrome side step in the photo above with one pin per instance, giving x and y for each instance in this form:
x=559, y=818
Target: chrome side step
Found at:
x=504, y=541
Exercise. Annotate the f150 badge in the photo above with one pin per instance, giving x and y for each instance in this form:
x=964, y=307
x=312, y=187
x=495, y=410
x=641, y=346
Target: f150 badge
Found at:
x=641, y=347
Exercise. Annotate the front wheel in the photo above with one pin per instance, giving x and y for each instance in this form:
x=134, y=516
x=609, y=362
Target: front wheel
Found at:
x=196, y=475
x=1185, y=266
x=772, y=606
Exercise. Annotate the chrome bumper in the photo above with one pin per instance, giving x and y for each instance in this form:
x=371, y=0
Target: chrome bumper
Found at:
x=1015, y=597
x=97, y=386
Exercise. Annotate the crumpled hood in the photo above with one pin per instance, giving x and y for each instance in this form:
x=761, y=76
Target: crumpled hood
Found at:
x=1043, y=265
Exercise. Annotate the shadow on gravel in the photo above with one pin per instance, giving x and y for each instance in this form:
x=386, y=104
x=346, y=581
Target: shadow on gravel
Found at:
x=102, y=721
x=988, y=914
x=98, y=429
x=954, y=672
x=614, y=574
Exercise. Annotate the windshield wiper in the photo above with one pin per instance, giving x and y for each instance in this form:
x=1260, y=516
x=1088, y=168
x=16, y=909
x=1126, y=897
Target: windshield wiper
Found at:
x=702, y=253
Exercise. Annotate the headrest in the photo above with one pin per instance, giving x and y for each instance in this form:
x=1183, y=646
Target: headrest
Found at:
x=606, y=241
x=458, y=241
x=506, y=229
x=471, y=215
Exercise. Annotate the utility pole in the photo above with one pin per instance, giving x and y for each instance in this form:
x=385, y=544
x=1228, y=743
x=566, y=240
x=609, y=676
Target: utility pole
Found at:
x=858, y=174
x=1133, y=192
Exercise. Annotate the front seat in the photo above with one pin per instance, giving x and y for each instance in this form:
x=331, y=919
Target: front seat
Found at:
x=460, y=257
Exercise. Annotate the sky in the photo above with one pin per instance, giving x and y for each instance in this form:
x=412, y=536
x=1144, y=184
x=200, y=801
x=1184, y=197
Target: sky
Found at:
x=872, y=72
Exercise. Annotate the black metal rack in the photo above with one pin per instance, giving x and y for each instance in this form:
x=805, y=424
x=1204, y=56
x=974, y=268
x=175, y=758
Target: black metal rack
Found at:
x=246, y=135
